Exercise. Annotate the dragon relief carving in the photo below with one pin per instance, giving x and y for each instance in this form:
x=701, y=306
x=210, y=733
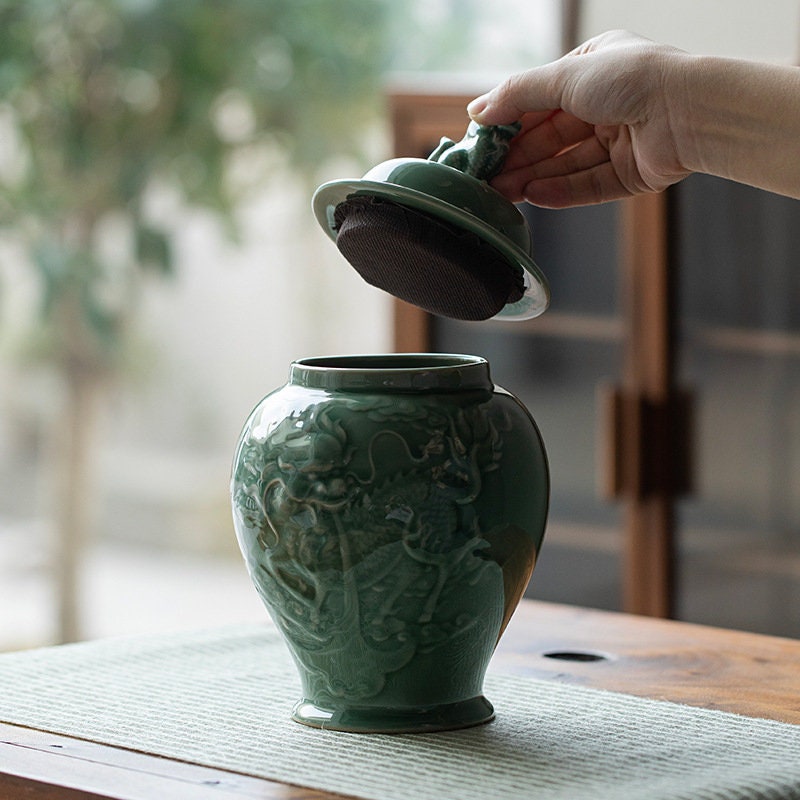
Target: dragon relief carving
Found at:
x=359, y=544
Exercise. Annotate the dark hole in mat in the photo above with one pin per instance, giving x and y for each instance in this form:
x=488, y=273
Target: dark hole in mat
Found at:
x=575, y=655
x=425, y=261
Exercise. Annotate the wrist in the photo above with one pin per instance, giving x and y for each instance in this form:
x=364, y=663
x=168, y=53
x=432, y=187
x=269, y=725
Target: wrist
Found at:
x=737, y=119
x=687, y=109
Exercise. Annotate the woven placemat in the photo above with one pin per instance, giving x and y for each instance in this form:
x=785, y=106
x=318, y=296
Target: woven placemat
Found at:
x=223, y=698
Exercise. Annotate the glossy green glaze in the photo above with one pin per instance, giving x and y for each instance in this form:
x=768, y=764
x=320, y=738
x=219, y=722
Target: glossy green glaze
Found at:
x=463, y=192
x=438, y=187
x=390, y=510
x=481, y=153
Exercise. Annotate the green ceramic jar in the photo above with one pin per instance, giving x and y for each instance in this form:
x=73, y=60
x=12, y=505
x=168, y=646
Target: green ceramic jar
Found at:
x=390, y=509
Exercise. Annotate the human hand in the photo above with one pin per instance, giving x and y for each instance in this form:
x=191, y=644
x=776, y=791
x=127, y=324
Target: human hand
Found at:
x=598, y=124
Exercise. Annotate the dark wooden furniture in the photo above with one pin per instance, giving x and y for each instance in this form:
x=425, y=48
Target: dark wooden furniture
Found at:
x=707, y=667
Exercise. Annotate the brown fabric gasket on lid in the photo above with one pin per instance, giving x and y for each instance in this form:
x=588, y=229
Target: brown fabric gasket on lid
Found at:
x=424, y=261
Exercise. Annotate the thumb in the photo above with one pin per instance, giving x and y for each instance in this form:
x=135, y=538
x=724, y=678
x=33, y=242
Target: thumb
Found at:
x=533, y=90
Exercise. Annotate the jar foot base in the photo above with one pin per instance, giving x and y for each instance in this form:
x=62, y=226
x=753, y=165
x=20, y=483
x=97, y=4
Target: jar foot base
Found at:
x=426, y=719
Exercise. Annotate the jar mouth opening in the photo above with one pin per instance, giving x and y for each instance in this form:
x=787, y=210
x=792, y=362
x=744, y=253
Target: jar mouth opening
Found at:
x=402, y=372
x=391, y=361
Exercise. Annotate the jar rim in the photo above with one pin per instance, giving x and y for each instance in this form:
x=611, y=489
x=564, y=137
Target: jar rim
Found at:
x=393, y=371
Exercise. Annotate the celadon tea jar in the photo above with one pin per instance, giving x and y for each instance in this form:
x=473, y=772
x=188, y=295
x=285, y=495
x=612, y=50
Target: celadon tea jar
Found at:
x=390, y=509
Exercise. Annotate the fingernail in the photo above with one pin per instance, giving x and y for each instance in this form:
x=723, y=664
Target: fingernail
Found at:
x=478, y=105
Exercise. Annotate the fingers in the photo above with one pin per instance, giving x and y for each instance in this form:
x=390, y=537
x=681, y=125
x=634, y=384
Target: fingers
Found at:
x=580, y=175
x=557, y=145
x=584, y=155
x=533, y=90
x=557, y=132
x=595, y=185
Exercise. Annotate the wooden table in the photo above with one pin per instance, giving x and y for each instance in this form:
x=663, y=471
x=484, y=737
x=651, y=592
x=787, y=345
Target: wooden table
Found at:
x=741, y=672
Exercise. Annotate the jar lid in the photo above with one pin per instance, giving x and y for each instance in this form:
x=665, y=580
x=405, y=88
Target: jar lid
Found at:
x=450, y=187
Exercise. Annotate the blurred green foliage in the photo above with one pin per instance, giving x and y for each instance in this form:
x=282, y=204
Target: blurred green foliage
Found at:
x=101, y=97
x=103, y=101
